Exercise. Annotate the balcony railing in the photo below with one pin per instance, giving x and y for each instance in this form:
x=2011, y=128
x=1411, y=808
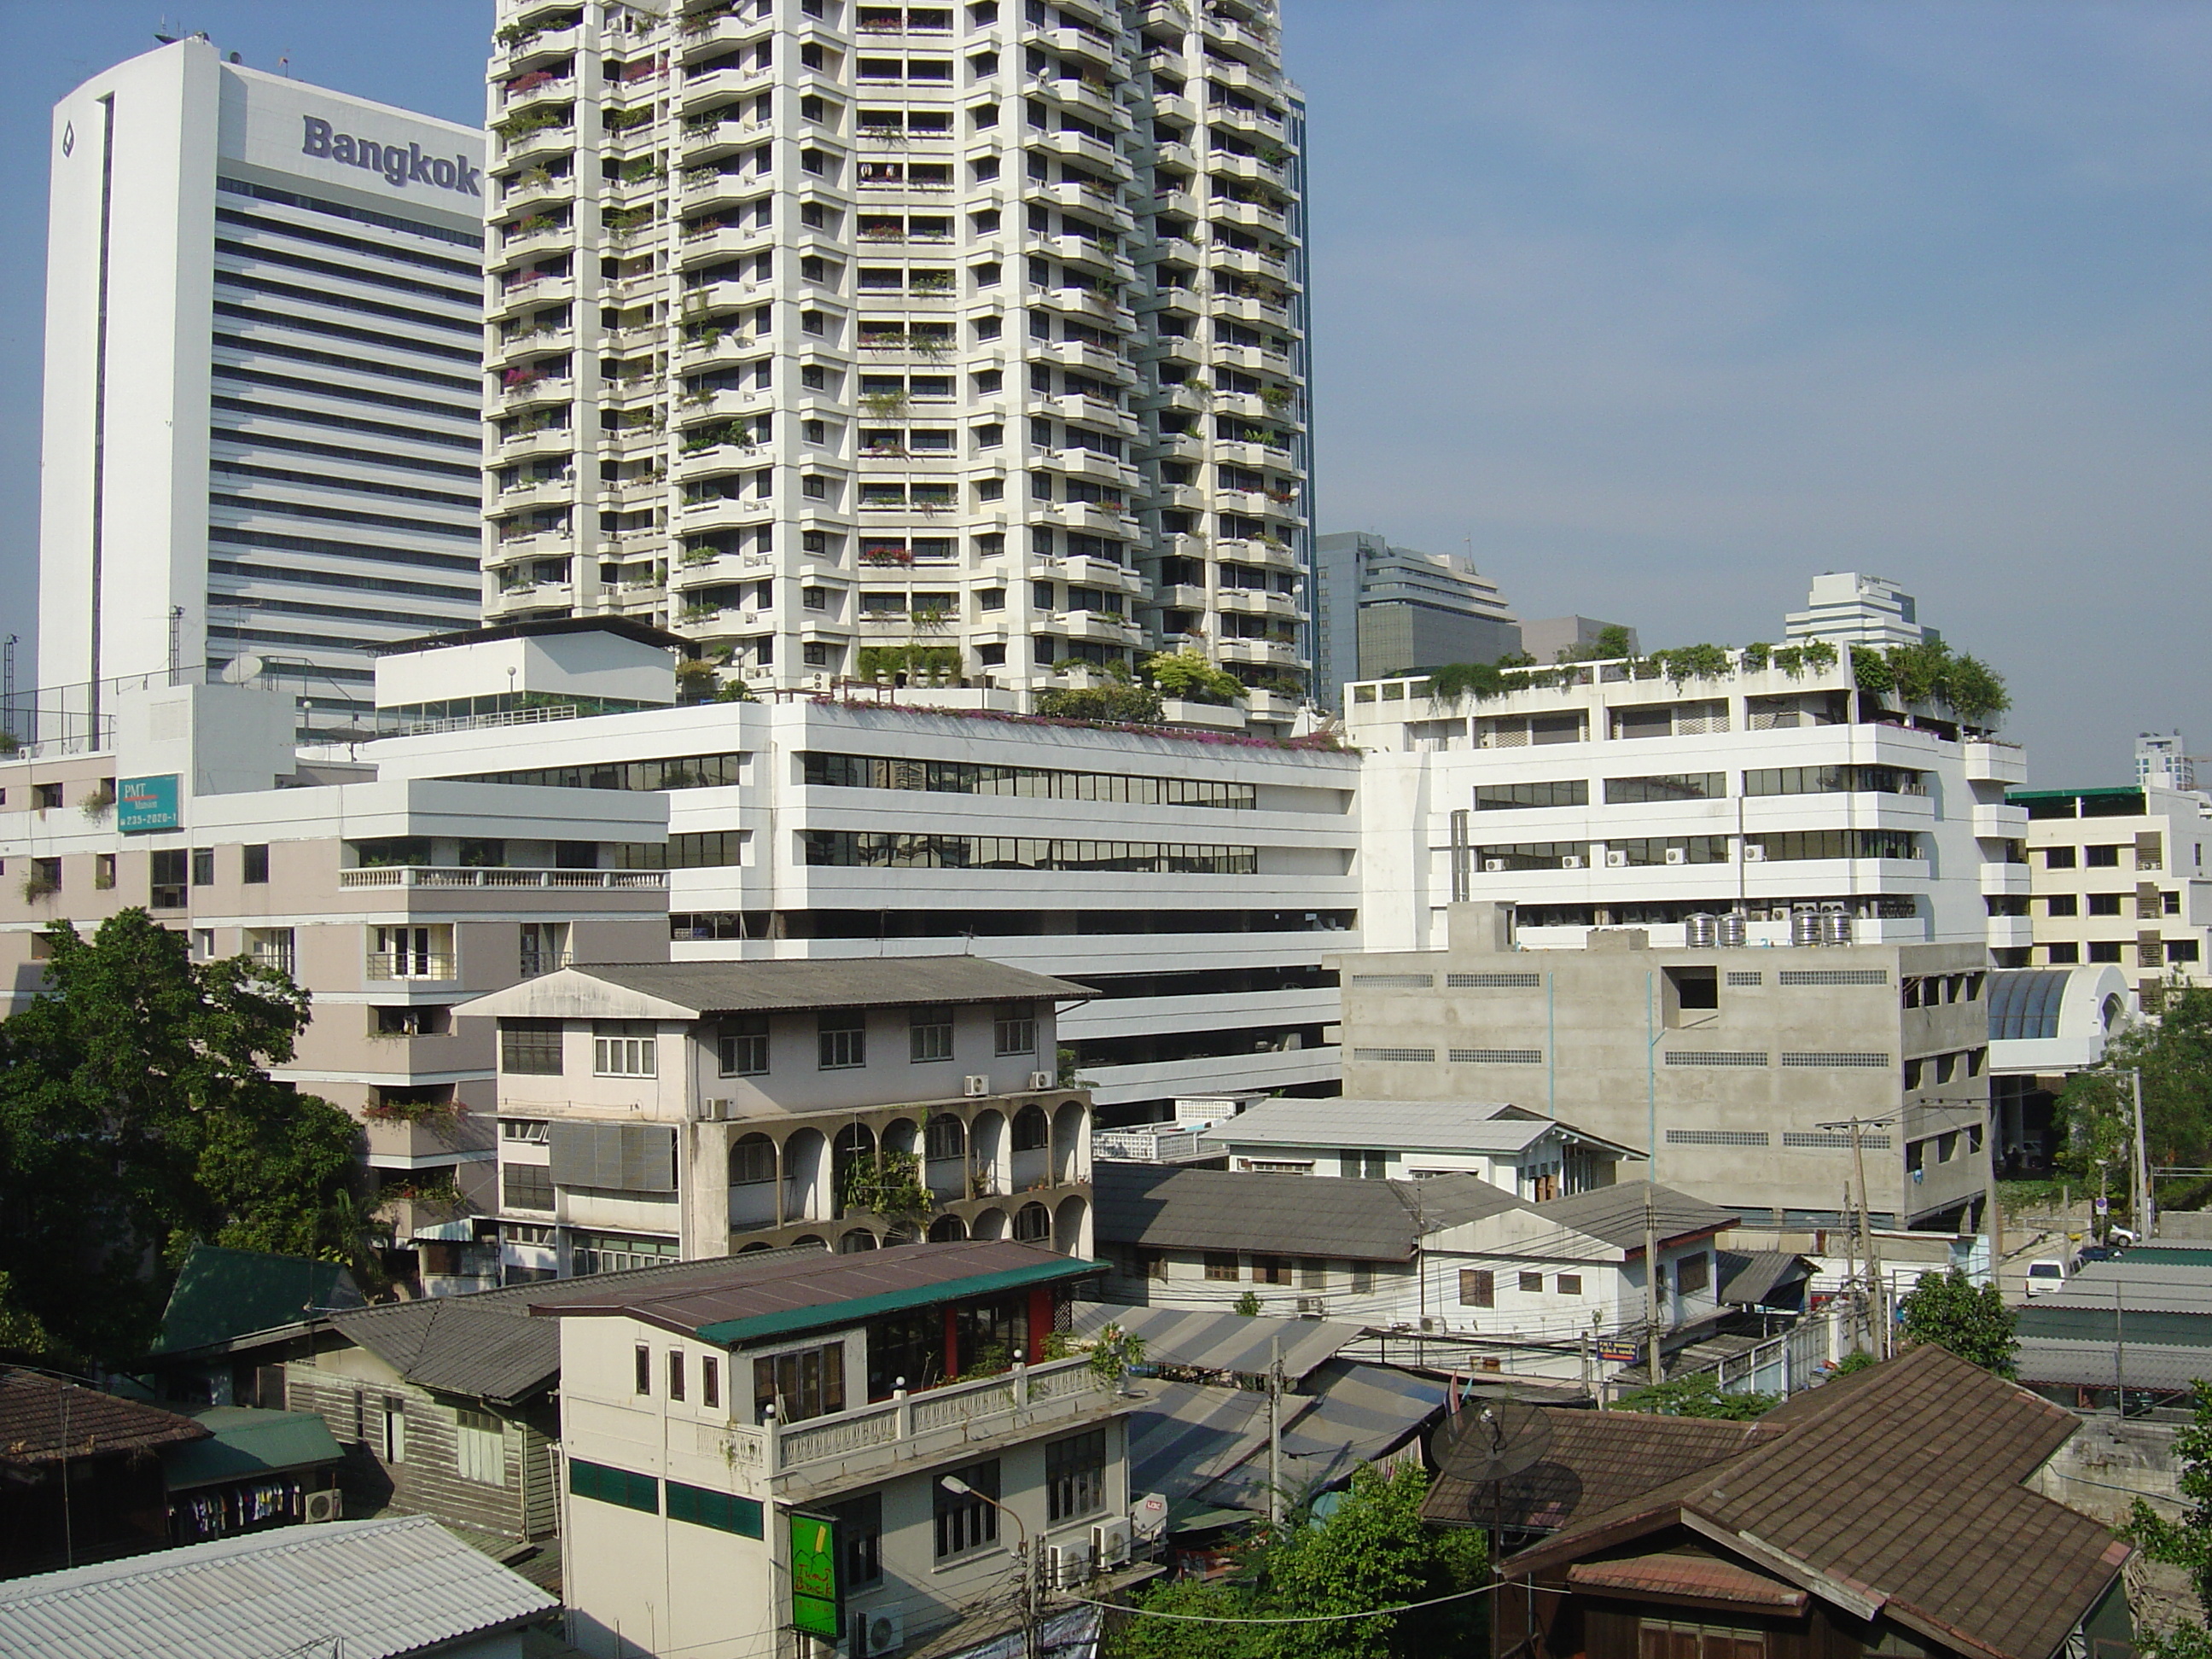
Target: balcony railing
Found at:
x=1060, y=1389
x=412, y=964
x=427, y=875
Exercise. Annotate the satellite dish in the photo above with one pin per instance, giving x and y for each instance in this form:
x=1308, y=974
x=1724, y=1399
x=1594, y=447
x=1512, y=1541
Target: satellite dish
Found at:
x=238, y=670
x=1487, y=1441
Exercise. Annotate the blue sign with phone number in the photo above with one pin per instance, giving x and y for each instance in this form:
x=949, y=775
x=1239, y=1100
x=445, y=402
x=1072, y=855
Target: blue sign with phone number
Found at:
x=146, y=803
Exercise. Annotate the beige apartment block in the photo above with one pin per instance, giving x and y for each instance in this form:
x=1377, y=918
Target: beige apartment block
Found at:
x=657, y=1111
x=1735, y=1068
x=389, y=901
x=2117, y=876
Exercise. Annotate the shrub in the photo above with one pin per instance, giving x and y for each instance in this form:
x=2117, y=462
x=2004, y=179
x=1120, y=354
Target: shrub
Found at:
x=1113, y=705
x=1187, y=674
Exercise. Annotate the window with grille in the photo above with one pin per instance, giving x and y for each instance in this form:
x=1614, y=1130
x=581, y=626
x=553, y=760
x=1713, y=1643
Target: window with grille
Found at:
x=1714, y=1057
x=1410, y=1055
x=1716, y=1138
x=530, y=1047
x=1222, y=1264
x=622, y=1049
x=843, y=1041
x=526, y=1186
x=1497, y=1056
x=753, y=1162
x=1075, y=1476
x=741, y=1050
x=1478, y=1288
x=1871, y=1062
x=1491, y=982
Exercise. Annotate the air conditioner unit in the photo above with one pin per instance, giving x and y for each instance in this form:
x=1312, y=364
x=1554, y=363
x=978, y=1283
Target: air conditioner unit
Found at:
x=1571, y=862
x=1428, y=1324
x=1312, y=1307
x=1753, y=852
x=1678, y=855
x=1067, y=1565
x=875, y=1633
x=719, y=1111
x=324, y=1506
x=975, y=1085
x=1041, y=1079
x=1491, y=867
x=1615, y=861
x=1110, y=1545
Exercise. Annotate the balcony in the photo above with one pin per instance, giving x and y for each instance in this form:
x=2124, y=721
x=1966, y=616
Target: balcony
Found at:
x=411, y=964
x=429, y=875
x=868, y=1444
x=1991, y=759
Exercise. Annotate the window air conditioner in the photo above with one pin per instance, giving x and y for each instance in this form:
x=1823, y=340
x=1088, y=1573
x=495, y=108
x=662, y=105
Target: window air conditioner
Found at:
x=1615, y=861
x=1753, y=852
x=1571, y=862
x=1041, y=1079
x=975, y=1085
x=1491, y=867
x=875, y=1633
x=324, y=1506
x=1678, y=855
x=716, y=1111
x=1312, y=1307
x=1109, y=1544
x=1067, y=1565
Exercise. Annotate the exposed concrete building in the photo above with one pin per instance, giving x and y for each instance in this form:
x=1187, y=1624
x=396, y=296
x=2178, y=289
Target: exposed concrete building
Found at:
x=2119, y=877
x=1732, y=1067
x=1548, y=638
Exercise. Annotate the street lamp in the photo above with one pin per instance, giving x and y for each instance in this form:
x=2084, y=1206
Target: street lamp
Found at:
x=959, y=1488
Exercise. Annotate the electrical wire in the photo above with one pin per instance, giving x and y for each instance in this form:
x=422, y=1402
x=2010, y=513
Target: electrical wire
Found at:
x=1302, y=1619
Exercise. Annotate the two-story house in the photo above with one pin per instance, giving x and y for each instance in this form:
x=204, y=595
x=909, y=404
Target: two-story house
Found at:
x=1529, y=1154
x=1542, y=1289
x=846, y=1448
x=653, y=1111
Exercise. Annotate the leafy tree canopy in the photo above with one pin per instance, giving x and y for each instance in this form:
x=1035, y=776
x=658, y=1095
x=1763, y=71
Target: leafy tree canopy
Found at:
x=2185, y=1542
x=1951, y=1311
x=1371, y=1550
x=137, y=1118
x=2096, y=1111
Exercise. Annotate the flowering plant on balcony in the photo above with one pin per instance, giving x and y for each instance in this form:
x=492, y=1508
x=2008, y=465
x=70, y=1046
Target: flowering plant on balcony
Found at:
x=530, y=83
x=410, y=1111
x=515, y=379
x=898, y=556
x=1114, y=1354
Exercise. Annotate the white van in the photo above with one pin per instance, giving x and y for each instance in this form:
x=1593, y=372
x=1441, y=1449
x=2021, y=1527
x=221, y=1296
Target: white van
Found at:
x=2046, y=1276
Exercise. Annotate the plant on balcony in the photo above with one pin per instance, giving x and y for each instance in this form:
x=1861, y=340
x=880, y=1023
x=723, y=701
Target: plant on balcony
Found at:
x=1684, y=662
x=410, y=1111
x=888, y=1184
x=878, y=662
x=1189, y=677
x=930, y=282
x=530, y=83
x=97, y=805
x=36, y=887
x=637, y=171
x=516, y=128
x=623, y=120
x=434, y=1191
x=1794, y=659
x=1755, y=656
x=1114, y=1354
x=735, y=691
x=1102, y=705
x=511, y=37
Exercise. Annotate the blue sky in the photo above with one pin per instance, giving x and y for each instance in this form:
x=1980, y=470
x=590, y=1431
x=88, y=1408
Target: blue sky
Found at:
x=1661, y=307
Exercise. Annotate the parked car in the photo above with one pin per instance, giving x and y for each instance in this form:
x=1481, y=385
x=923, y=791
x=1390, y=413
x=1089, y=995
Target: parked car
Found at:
x=2089, y=1253
x=2046, y=1276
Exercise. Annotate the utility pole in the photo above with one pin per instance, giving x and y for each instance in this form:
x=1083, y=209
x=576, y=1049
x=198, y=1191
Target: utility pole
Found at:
x=1651, y=1277
x=1275, y=1430
x=2119, y=1356
x=1992, y=1215
x=2146, y=1205
x=1877, y=1298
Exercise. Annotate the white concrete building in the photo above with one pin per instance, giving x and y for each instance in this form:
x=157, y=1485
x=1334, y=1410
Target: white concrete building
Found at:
x=757, y=1454
x=1530, y=1288
x=1771, y=790
x=1845, y=608
x=263, y=380
x=2119, y=877
x=852, y=341
x=1521, y=1151
x=2162, y=762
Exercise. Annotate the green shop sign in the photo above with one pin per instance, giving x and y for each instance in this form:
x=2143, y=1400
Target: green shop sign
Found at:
x=816, y=1600
x=147, y=803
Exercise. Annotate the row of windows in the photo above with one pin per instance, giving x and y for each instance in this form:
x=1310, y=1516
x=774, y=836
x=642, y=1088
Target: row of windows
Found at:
x=869, y=849
x=2093, y=858
x=1701, y=785
x=532, y=1048
x=2149, y=953
x=2112, y=904
x=677, y=772
x=1025, y=782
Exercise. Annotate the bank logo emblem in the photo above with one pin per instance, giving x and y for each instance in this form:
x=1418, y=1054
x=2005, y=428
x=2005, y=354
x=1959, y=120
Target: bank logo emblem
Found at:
x=400, y=164
x=68, y=137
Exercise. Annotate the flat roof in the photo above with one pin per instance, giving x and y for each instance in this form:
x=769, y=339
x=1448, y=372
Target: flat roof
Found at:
x=624, y=627
x=749, y=1301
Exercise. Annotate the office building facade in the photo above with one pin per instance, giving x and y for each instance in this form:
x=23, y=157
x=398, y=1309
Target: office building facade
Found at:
x=2117, y=876
x=1392, y=609
x=855, y=342
x=262, y=381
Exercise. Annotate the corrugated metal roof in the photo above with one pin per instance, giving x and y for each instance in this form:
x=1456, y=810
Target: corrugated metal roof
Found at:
x=1200, y=1442
x=753, y=1296
x=704, y=987
x=1192, y=1340
x=1749, y=1277
x=245, y=1442
x=2101, y=1365
x=386, y=1587
x=1437, y=1126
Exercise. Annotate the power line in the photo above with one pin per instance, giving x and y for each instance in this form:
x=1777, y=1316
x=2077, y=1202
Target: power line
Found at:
x=1302, y=1619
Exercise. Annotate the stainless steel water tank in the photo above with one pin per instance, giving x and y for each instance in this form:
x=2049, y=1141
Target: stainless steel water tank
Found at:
x=1700, y=932
x=1736, y=932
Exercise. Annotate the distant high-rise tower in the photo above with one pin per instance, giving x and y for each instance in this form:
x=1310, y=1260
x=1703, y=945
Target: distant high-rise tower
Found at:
x=1387, y=610
x=2162, y=762
x=264, y=382
x=1845, y=608
x=867, y=341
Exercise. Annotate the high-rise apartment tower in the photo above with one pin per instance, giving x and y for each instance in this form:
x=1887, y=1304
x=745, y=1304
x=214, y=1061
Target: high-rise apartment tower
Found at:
x=869, y=341
x=263, y=380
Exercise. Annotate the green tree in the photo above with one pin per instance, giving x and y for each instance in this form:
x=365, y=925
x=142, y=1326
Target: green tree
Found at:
x=137, y=1118
x=1949, y=1310
x=1370, y=1549
x=2186, y=1543
x=1699, y=1396
x=1114, y=705
x=1187, y=675
x=2174, y=1052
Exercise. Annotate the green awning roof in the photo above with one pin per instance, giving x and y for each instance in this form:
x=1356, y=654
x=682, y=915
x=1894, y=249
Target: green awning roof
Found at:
x=245, y=1445
x=791, y=1321
x=221, y=1295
